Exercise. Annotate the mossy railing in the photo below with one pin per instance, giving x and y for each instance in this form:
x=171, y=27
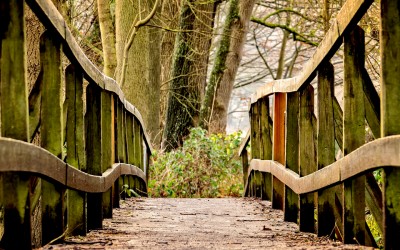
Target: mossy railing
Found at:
x=293, y=149
x=92, y=144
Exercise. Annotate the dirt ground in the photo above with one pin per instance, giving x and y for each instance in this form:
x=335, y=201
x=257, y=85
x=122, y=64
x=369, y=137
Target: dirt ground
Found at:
x=228, y=223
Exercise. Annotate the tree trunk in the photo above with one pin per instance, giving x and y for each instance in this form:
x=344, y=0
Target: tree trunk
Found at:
x=107, y=37
x=214, y=109
x=143, y=61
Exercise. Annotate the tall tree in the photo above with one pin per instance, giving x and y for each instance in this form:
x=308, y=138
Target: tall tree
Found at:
x=213, y=114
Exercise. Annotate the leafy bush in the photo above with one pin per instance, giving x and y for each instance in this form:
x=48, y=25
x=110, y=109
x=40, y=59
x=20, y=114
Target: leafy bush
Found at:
x=205, y=166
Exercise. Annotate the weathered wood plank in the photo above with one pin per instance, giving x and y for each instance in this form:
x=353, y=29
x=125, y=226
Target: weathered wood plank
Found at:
x=116, y=187
x=354, y=135
x=51, y=133
x=107, y=139
x=75, y=146
x=93, y=153
x=278, y=187
x=308, y=164
x=255, y=142
x=14, y=123
x=338, y=120
x=266, y=146
x=326, y=146
x=372, y=104
x=292, y=154
x=138, y=142
x=373, y=199
x=390, y=113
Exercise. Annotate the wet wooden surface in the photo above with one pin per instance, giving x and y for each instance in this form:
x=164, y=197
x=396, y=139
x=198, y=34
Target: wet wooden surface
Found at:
x=227, y=223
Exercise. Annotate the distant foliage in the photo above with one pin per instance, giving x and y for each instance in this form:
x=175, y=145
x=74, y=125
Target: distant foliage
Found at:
x=205, y=166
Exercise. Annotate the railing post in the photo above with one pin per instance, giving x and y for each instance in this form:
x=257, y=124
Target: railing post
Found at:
x=107, y=143
x=255, y=147
x=137, y=150
x=51, y=137
x=307, y=152
x=266, y=146
x=354, y=135
x=14, y=122
x=390, y=125
x=279, y=147
x=75, y=146
x=93, y=153
x=120, y=144
x=130, y=145
x=292, y=153
x=116, y=187
x=326, y=146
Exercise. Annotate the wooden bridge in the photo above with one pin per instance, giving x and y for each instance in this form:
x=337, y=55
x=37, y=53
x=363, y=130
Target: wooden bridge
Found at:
x=89, y=152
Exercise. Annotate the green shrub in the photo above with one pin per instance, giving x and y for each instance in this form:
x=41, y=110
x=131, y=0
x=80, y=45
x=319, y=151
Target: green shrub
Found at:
x=205, y=166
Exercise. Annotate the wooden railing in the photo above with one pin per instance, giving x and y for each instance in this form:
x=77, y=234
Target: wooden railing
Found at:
x=293, y=152
x=93, y=145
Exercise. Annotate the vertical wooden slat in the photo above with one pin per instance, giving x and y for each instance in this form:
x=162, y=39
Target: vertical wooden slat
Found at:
x=326, y=146
x=308, y=162
x=255, y=146
x=354, y=135
x=107, y=138
x=14, y=121
x=116, y=187
x=278, y=187
x=75, y=146
x=292, y=154
x=93, y=153
x=390, y=113
x=266, y=146
x=51, y=133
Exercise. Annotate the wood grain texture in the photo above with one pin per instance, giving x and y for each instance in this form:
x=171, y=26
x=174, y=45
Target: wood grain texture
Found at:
x=18, y=156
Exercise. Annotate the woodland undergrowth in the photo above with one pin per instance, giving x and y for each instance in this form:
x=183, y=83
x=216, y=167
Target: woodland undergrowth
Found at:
x=206, y=166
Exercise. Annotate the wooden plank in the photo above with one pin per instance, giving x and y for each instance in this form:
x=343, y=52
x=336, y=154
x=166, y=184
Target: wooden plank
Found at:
x=390, y=113
x=93, y=153
x=308, y=163
x=255, y=142
x=373, y=199
x=51, y=137
x=372, y=104
x=266, y=146
x=338, y=120
x=75, y=146
x=14, y=122
x=278, y=188
x=107, y=139
x=138, y=155
x=35, y=102
x=116, y=187
x=354, y=135
x=326, y=146
x=245, y=166
x=292, y=154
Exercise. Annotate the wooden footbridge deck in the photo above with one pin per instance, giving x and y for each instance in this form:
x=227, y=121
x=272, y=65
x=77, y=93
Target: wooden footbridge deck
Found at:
x=89, y=151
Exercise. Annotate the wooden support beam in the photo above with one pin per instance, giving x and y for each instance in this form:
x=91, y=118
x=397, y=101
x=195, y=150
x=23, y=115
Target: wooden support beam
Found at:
x=14, y=122
x=75, y=146
x=338, y=120
x=266, y=146
x=93, y=153
x=292, y=154
x=372, y=105
x=256, y=144
x=116, y=187
x=326, y=146
x=390, y=113
x=278, y=193
x=51, y=137
x=354, y=135
x=107, y=141
x=373, y=199
x=308, y=163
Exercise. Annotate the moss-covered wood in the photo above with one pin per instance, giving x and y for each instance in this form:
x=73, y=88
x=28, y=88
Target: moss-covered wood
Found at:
x=307, y=151
x=354, y=135
x=279, y=147
x=75, y=146
x=93, y=153
x=292, y=154
x=14, y=122
x=390, y=113
x=51, y=133
x=266, y=146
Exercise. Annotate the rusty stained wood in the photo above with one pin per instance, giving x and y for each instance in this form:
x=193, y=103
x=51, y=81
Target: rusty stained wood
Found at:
x=354, y=135
x=326, y=146
x=307, y=151
x=390, y=113
x=75, y=137
x=266, y=146
x=14, y=123
x=292, y=154
x=278, y=153
x=51, y=137
x=94, y=152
